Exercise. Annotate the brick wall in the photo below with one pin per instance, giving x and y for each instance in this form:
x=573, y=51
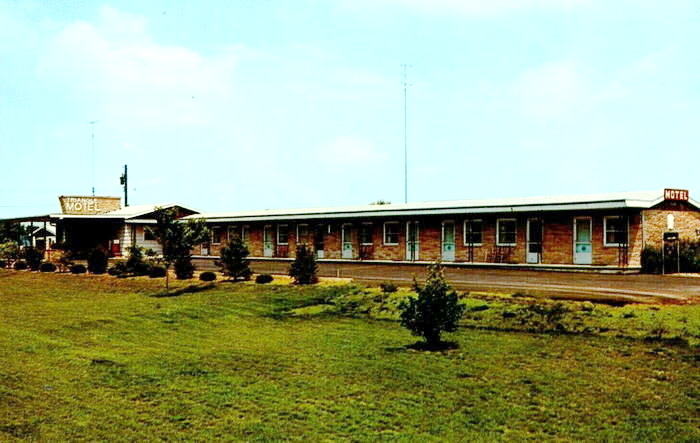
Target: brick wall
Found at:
x=686, y=221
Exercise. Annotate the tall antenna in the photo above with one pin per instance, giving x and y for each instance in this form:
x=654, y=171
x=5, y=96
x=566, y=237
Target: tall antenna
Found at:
x=405, y=132
x=92, y=127
x=124, y=180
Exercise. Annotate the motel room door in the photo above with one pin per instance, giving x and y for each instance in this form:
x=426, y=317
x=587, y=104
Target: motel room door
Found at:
x=412, y=241
x=346, y=240
x=448, y=241
x=583, y=245
x=268, y=243
x=534, y=240
x=318, y=241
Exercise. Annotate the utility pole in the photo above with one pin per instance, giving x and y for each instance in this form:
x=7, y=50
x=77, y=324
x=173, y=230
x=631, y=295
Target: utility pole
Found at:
x=124, y=180
x=405, y=132
x=92, y=126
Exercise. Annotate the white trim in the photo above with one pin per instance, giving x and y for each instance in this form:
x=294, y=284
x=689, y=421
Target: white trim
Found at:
x=279, y=243
x=384, y=242
x=605, y=231
x=464, y=231
x=245, y=229
x=573, y=245
x=229, y=228
x=539, y=255
x=212, y=235
x=498, y=232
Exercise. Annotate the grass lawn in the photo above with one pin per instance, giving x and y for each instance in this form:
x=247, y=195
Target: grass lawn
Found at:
x=95, y=358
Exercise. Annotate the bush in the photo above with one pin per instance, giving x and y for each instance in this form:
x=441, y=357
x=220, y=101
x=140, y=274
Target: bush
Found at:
x=47, y=267
x=78, y=269
x=434, y=311
x=97, y=261
x=233, y=260
x=157, y=272
x=136, y=265
x=651, y=260
x=9, y=251
x=20, y=265
x=114, y=270
x=263, y=278
x=303, y=269
x=388, y=288
x=207, y=276
x=184, y=269
x=33, y=256
x=3, y=264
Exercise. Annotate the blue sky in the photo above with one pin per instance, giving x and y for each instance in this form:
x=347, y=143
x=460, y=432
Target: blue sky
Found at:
x=255, y=104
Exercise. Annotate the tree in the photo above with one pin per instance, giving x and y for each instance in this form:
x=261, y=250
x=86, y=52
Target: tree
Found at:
x=177, y=238
x=97, y=261
x=434, y=311
x=233, y=260
x=303, y=269
x=12, y=232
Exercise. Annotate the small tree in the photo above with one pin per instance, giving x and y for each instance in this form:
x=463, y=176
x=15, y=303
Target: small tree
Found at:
x=233, y=260
x=33, y=257
x=97, y=261
x=303, y=269
x=177, y=239
x=434, y=311
x=9, y=251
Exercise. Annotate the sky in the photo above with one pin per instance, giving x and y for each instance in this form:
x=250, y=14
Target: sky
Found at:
x=255, y=104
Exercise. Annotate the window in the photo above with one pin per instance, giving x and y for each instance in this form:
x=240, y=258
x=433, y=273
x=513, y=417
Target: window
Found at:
x=391, y=233
x=473, y=232
x=506, y=232
x=366, y=234
x=615, y=230
x=282, y=234
x=148, y=234
x=245, y=234
x=216, y=235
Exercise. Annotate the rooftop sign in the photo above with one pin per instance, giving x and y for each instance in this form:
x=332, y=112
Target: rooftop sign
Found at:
x=676, y=194
x=79, y=205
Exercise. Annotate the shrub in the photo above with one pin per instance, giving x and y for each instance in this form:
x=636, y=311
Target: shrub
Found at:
x=207, y=276
x=233, y=260
x=434, y=311
x=545, y=316
x=47, y=267
x=388, y=288
x=3, y=264
x=651, y=260
x=20, y=265
x=135, y=264
x=9, y=251
x=33, y=256
x=97, y=261
x=263, y=278
x=78, y=269
x=303, y=269
x=157, y=272
x=184, y=269
x=114, y=271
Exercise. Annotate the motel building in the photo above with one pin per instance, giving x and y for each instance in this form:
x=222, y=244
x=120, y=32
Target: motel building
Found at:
x=605, y=232
x=591, y=232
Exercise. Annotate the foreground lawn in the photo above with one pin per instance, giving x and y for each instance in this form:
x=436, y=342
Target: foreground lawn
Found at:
x=84, y=357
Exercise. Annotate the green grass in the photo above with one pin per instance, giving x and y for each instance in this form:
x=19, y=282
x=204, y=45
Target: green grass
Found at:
x=98, y=358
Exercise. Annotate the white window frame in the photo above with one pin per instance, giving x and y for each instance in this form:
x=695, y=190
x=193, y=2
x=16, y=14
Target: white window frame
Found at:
x=307, y=231
x=211, y=239
x=229, y=229
x=244, y=229
x=359, y=234
x=498, y=231
x=286, y=226
x=464, y=231
x=605, y=231
x=384, y=233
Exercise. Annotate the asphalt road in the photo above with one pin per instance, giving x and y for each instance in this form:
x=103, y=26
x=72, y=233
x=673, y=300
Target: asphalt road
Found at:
x=612, y=288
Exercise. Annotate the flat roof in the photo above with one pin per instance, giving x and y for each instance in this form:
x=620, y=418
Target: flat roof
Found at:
x=620, y=200
x=126, y=213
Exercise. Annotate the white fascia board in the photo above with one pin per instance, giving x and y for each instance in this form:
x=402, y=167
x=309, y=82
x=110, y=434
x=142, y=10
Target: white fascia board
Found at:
x=428, y=212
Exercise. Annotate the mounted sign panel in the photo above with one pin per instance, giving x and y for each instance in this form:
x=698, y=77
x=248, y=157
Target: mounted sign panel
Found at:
x=676, y=195
x=79, y=205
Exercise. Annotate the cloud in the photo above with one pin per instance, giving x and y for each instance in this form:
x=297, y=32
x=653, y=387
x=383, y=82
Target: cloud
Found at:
x=136, y=79
x=481, y=7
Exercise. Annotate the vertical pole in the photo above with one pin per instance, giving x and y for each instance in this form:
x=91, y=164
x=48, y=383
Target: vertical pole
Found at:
x=126, y=186
x=405, y=133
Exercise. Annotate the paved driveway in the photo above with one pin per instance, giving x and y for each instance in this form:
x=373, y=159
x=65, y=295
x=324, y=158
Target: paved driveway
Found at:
x=612, y=288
